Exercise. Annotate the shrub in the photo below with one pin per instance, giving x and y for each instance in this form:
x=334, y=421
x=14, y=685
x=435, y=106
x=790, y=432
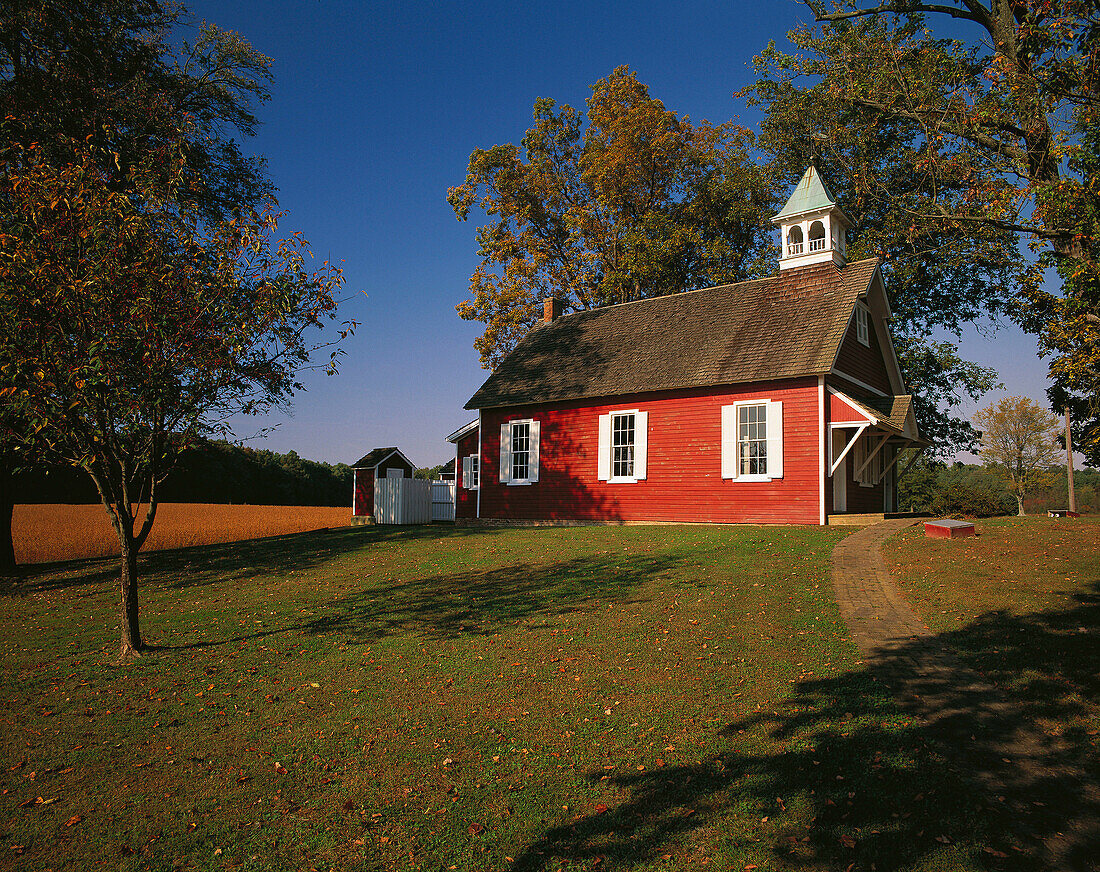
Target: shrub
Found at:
x=975, y=499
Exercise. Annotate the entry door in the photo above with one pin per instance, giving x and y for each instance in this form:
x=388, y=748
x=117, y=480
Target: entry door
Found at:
x=840, y=477
x=395, y=473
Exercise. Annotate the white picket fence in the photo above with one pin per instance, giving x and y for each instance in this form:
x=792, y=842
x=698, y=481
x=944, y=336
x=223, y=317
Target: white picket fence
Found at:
x=402, y=501
x=443, y=500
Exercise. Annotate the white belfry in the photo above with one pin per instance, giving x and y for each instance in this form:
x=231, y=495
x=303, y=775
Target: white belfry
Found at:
x=813, y=227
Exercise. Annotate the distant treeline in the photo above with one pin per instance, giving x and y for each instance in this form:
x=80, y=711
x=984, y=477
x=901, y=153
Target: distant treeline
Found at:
x=214, y=472
x=978, y=491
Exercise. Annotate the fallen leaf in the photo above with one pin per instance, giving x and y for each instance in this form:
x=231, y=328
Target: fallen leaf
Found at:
x=476, y=829
x=280, y=768
x=847, y=841
x=995, y=853
x=601, y=808
x=74, y=820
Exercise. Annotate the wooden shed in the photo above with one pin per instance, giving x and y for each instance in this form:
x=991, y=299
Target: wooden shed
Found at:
x=377, y=463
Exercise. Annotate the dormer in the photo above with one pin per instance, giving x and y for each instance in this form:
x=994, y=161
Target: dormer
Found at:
x=812, y=227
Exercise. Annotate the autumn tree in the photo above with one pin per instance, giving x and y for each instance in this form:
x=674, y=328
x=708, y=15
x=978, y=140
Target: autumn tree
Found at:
x=623, y=202
x=1019, y=439
x=952, y=151
x=111, y=77
x=128, y=326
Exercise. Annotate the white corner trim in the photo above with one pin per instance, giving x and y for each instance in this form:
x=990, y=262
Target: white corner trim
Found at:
x=480, y=432
x=821, y=449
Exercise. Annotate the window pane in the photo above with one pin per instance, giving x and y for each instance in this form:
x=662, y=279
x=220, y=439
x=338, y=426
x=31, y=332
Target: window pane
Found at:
x=622, y=446
x=752, y=439
x=521, y=451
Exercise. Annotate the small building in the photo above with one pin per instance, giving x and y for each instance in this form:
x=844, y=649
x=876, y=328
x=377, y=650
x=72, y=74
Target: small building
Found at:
x=447, y=471
x=777, y=400
x=377, y=463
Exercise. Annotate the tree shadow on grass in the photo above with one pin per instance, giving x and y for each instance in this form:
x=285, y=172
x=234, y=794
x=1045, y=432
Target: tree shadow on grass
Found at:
x=479, y=602
x=843, y=777
x=475, y=602
x=179, y=568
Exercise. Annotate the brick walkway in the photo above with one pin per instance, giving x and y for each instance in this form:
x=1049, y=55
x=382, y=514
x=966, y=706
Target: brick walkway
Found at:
x=1021, y=768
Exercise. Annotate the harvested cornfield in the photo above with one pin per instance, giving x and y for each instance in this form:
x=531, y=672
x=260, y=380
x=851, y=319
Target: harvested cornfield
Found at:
x=45, y=533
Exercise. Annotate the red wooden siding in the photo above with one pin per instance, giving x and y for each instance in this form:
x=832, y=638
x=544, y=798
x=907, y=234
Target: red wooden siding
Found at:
x=394, y=462
x=684, y=480
x=841, y=412
x=465, y=499
x=859, y=361
x=364, y=492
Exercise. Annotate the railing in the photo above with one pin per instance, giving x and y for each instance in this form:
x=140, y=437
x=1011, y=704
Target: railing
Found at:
x=817, y=244
x=794, y=248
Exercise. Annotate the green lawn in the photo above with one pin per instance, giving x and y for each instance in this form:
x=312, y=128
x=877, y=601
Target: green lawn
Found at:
x=441, y=698
x=1020, y=603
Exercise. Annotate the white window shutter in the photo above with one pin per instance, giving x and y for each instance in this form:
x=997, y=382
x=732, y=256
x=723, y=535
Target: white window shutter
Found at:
x=775, y=439
x=466, y=464
x=533, y=464
x=505, y=452
x=603, y=451
x=641, y=443
x=729, y=441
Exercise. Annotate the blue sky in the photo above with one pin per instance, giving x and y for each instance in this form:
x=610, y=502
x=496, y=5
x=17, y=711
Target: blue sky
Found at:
x=373, y=114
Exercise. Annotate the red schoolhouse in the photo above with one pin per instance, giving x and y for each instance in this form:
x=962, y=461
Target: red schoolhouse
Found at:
x=777, y=400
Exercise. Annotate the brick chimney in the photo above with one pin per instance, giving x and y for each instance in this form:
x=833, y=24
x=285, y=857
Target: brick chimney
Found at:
x=552, y=309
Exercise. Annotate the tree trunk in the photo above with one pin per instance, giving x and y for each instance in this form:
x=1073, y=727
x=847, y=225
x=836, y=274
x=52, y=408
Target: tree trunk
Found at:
x=7, y=544
x=131, y=632
x=1020, y=503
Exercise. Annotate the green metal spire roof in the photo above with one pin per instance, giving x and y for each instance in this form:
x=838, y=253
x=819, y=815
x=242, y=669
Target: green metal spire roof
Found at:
x=810, y=195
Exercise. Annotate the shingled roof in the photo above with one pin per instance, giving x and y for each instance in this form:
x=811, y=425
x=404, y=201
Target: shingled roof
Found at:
x=785, y=326
x=373, y=457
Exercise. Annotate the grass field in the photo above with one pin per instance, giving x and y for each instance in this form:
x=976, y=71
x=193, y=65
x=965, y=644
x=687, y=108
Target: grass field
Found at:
x=44, y=533
x=1020, y=603
x=451, y=698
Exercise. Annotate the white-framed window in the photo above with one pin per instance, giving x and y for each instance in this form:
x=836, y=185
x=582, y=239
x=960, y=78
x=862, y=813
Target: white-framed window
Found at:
x=519, y=451
x=622, y=445
x=470, y=468
x=752, y=440
x=863, y=324
x=622, y=453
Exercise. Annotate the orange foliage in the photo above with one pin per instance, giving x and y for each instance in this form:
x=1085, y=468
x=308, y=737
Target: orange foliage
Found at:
x=64, y=532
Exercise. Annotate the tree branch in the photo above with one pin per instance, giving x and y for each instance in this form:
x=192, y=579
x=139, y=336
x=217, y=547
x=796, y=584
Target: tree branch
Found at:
x=820, y=14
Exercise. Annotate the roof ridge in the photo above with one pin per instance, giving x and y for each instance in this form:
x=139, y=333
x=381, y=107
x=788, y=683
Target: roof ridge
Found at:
x=785, y=274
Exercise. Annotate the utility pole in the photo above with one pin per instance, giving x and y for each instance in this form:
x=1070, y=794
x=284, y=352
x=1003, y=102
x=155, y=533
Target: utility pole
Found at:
x=1069, y=465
